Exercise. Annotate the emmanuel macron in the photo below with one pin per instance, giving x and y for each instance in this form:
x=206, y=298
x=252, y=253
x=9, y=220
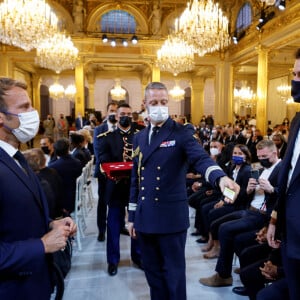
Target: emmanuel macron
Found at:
x=158, y=208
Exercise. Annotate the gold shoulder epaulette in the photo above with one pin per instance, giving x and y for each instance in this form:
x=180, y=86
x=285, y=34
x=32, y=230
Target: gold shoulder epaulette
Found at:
x=103, y=134
x=136, y=130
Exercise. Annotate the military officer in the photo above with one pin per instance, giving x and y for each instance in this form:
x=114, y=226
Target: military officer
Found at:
x=116, y=146
x=158, y=208
x=109, y=124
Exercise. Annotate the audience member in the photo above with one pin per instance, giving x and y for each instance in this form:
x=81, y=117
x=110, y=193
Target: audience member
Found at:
x=263, y=192
x=69, y=169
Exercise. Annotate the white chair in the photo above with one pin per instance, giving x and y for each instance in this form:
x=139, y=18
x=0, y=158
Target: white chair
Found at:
x=78, y=213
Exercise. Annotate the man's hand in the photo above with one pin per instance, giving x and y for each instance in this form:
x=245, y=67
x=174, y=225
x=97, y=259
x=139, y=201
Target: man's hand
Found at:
x=131, y=230
x=56, y=239
x=225, y=181
x=271, y=237
x=65, y=222
x=269, y=270
x=261, y=236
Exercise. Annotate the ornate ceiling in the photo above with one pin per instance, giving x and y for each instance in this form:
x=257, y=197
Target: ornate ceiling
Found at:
x=279, y=36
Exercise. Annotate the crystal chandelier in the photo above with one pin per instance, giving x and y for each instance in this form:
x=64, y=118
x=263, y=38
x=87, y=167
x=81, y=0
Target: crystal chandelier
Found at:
x=25, y=24
x=175, y=56
x=284, y=91
x=203, y=26
x=57, y=53
x=117, y=93
x=268, y=2
x=56, y=90
x=177, y=93
x=70, y=92
x=245, y=95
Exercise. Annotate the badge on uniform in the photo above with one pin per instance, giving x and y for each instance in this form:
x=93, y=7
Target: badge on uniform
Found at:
x=136, y=152
x=167, y=144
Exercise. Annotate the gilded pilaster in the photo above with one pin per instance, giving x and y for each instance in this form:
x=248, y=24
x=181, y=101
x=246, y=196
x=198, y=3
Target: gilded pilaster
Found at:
x=91, y=82
x=223, y=88
x=36, y=95
x=262, y=89
x=79, y=82
x=197, y=99
x=155, y=73
x=6, y=69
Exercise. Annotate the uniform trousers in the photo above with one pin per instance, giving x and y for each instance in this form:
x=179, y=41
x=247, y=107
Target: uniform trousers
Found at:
x=278, y=290
x=228, y=231
x=163, y=257
x=115, y=222
x=102, y=205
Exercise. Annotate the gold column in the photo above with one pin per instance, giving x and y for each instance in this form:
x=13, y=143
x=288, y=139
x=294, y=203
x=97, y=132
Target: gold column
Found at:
x=6, y=69
x=155, y=73
x=36, y=94
x=91, y=80
x=197, y=99
x=79, y=82
x=223, y=100
x=262, y=89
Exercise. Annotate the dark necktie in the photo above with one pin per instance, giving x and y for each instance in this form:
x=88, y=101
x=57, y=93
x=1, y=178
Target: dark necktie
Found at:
x=114, y=127
x=154, y=133
x=22, y=161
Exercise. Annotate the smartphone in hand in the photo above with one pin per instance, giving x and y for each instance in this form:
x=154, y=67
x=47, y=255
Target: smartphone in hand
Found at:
x=255, y=174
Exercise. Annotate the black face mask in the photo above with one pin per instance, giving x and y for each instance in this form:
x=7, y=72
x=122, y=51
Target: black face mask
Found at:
x=295, y=90
x=125, y=121
x=265, y=163
x=112, y=119
x=45, y=149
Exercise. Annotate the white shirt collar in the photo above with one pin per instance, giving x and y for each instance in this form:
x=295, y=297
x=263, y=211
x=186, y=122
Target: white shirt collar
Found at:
x=9, y=149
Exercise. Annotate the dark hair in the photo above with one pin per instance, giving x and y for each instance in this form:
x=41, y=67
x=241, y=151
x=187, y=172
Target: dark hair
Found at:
x=76, y=139
x=109, y=104
x=124, y=105
x=245, y=150
x=7, y=84
x=62, y=147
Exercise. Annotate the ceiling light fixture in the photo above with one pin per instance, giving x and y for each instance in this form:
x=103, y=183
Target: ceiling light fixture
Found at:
x=117, y=93
x=134, y=40
x=203, y=26
x=266, y=19
x=104, y=38
x=281, y=5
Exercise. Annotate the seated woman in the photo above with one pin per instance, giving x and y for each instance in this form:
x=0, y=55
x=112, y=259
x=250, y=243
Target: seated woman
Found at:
x=240, y=172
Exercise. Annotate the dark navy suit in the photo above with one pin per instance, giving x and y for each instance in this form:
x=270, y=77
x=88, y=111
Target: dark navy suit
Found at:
x=116, y=193
x=288, y=224
x=24, y=269
x=102, y=207
x=158, y=203
x=69, y=169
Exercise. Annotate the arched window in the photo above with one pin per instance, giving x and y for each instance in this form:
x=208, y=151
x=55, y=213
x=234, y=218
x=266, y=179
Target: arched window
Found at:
x=244, y=18
x=118, y=21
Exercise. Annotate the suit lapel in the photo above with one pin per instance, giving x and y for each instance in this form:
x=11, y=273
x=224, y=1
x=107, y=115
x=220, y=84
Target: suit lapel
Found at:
x=29, y=181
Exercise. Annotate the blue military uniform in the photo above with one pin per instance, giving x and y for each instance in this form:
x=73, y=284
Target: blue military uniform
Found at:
x=158, y=202
x=112, y=144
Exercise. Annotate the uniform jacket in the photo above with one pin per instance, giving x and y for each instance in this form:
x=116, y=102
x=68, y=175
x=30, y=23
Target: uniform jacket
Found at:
x=158, y=197
x=24, y=270
x=288, y=205
x=96, y=143
x=111, y=150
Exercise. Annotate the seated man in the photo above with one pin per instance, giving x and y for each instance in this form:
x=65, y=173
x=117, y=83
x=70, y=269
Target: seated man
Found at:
x=256, y=216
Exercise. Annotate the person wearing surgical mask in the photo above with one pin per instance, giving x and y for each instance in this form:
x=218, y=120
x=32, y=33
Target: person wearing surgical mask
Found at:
x=215, y=149
x=284, y=227
x=158, y=207
x=30, y=235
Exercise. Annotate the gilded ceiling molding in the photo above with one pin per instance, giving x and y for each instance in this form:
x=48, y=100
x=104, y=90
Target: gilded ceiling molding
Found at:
x=95, y=16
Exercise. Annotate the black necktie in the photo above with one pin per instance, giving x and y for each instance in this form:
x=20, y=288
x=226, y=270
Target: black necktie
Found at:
x=155, y=131
x=22, y=161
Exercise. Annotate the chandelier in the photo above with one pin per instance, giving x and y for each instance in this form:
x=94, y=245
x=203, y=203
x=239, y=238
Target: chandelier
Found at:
x=245, y=95
x=284, y=91
x=70, y=92
x=56, y=90
x=203, y=26
x=268, y=2
x=175, y=56
x=117, y=93
x=57, y=53
x=25, y=24
x=177, y=93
